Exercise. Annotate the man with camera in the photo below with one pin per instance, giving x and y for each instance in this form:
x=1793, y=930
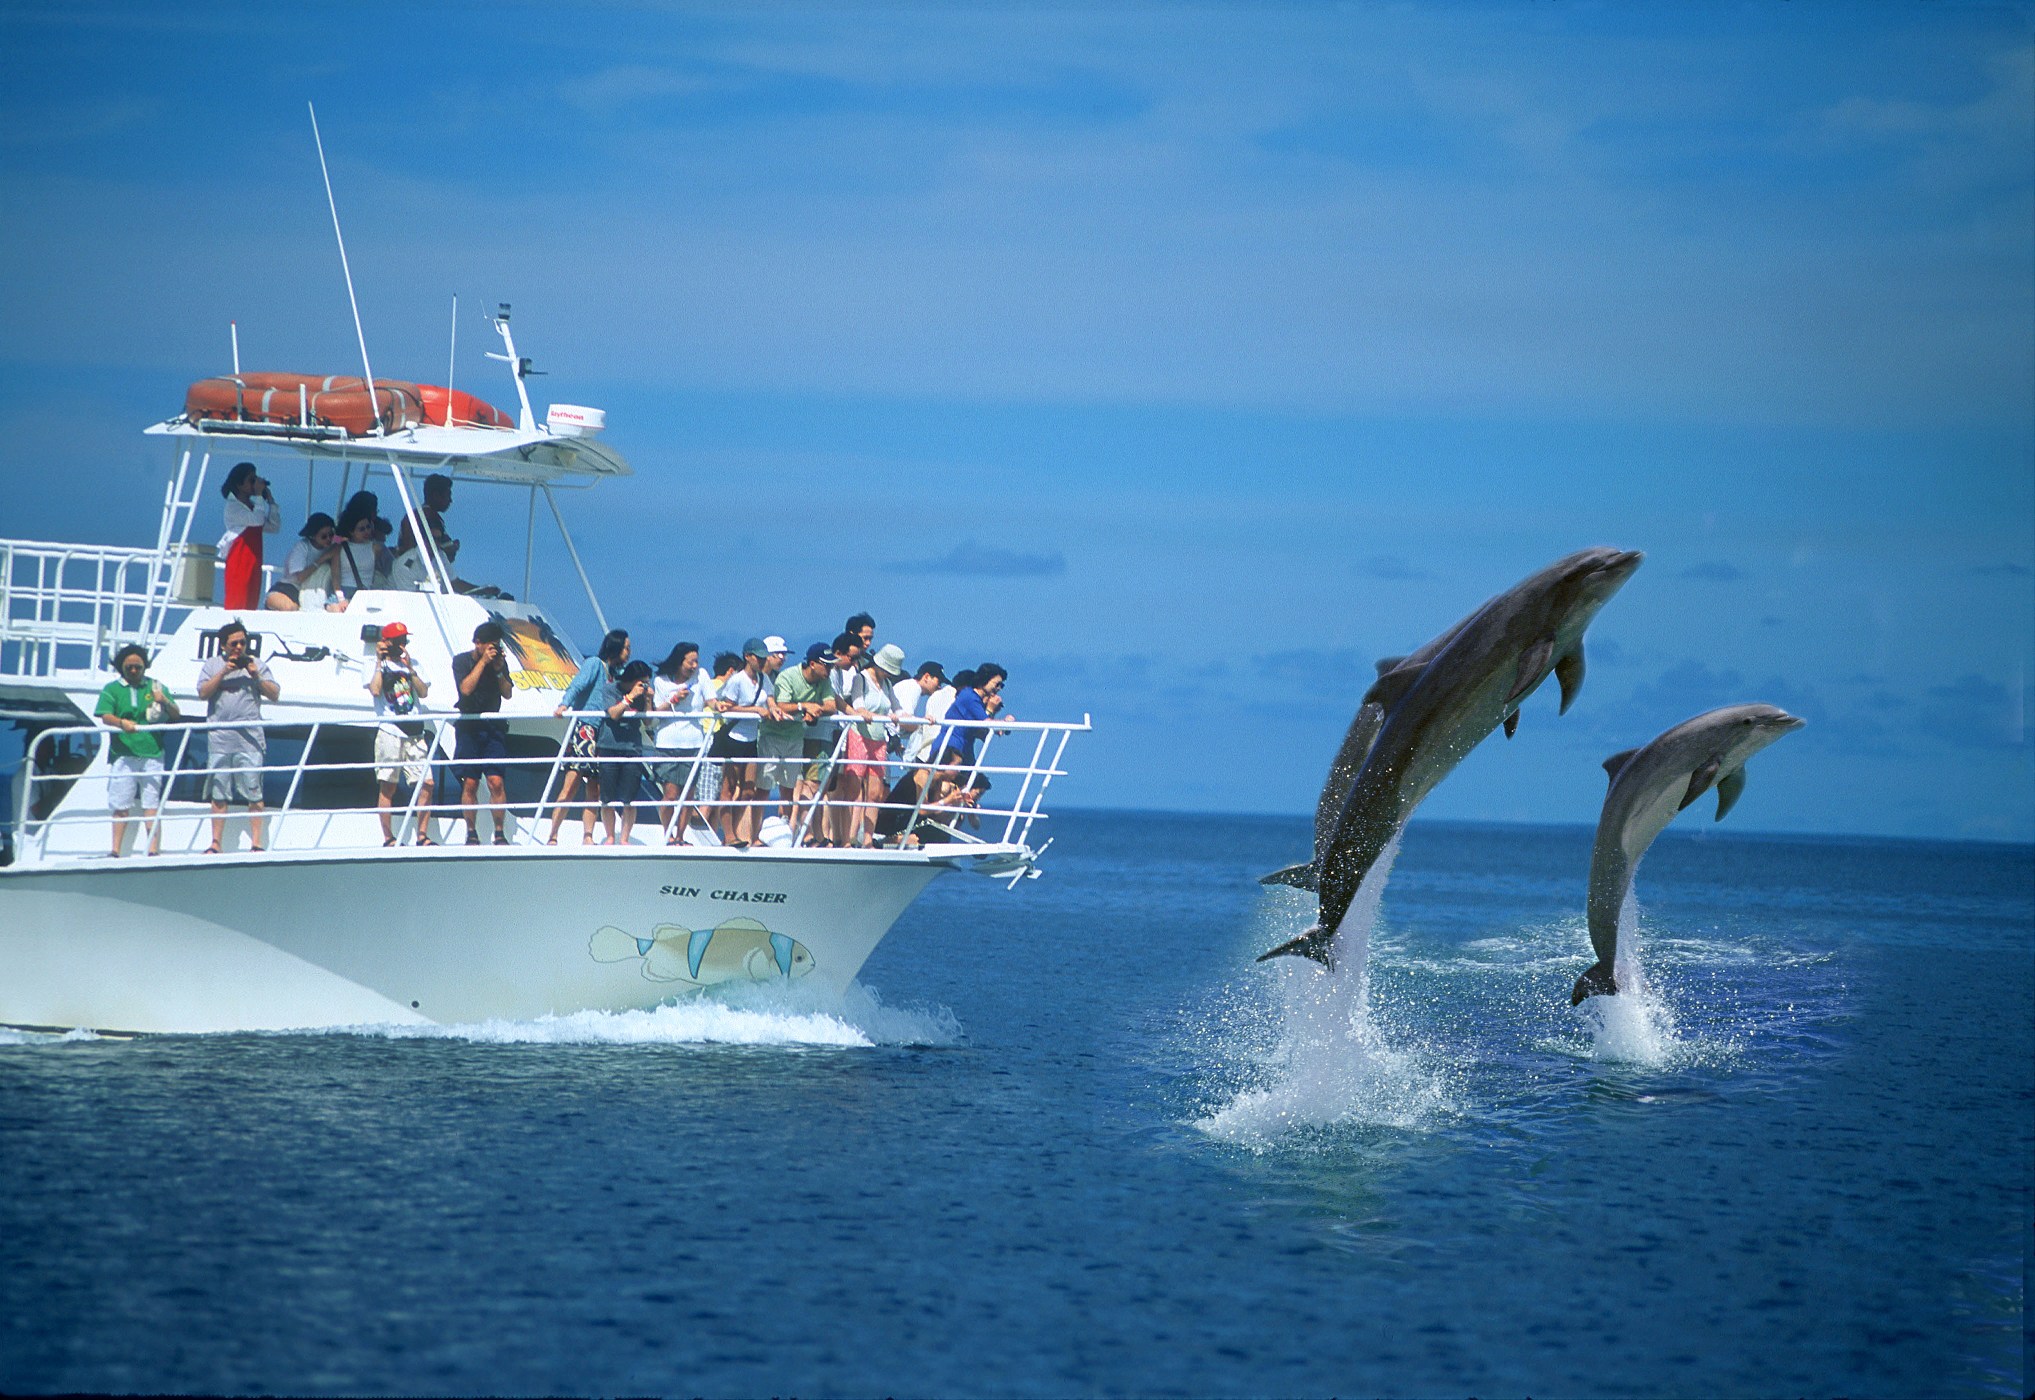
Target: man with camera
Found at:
x=233, y=684
x=482, y=751
x=401, y=752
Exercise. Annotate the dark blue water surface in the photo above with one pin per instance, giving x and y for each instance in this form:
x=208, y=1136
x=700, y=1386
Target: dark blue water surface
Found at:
x=1085, y=1145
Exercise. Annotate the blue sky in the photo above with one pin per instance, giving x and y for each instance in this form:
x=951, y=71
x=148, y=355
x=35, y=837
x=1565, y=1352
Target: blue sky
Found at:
x=1183, y=360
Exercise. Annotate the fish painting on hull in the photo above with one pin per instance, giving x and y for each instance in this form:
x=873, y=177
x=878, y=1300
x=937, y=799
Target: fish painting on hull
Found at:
x=738, y=950
x=1474, y=682
x=1649, y=785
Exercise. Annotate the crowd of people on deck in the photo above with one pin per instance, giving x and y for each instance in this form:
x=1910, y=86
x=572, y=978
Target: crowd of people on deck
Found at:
x=840, y=748
x=333, y=560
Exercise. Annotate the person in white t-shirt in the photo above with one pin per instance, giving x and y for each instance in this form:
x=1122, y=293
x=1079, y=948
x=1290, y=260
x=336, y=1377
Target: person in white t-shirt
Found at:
x=678, y=690
x=307, y=577
x=250, y=515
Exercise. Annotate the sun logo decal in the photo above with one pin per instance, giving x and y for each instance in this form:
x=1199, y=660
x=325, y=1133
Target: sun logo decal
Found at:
x=739, y=950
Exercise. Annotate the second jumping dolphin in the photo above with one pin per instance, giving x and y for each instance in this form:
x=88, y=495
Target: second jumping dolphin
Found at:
x=1648, y=786
x=1474, y=682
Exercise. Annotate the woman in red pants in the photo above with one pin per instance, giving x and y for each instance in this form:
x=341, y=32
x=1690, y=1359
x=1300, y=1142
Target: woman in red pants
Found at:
x=250, y=514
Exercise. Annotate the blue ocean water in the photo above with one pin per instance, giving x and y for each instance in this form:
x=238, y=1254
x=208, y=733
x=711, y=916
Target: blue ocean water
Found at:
x=1072, y=1140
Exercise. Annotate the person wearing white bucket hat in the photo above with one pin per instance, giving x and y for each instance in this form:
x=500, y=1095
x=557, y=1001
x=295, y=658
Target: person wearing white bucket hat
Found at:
x=873, y=702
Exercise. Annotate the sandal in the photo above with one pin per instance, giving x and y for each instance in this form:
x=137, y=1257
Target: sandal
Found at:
x=425, y=841
x=473, y=838
x=501, y=840
x=390, y=841
x=211, y=850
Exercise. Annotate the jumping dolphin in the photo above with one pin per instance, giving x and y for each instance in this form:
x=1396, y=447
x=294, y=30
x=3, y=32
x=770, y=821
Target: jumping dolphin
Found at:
x=1474, y=682
x=1396, y=675
x=1648, y=786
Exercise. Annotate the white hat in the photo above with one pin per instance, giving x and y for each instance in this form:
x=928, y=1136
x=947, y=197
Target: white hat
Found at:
x=776, y=644
x=890, y=659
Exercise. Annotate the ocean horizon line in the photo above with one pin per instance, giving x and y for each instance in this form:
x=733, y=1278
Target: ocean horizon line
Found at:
x=1689, y=833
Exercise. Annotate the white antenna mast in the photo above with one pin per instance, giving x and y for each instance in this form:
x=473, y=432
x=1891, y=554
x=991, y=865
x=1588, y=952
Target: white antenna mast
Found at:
x=367, y=370
x=233, y=329
x=452, y=363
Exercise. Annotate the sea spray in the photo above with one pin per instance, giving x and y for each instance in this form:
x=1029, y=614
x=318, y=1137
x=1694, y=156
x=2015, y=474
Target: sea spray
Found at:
x=1325, y=1064
x=768, y=1014
x=1635, y=1026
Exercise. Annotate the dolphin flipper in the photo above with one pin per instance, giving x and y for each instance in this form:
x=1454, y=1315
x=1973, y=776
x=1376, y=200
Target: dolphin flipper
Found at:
x=1301, y=876
x=1729, y=788
x=1312, y=944
x=1532, y=668
x=1569, y=671
x=1512, y=724
x=1699, y=783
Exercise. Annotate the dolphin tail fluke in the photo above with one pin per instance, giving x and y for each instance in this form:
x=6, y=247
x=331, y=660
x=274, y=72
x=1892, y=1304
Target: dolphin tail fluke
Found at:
x=1300, y=876
x=1596, y=981
x=1311, y=944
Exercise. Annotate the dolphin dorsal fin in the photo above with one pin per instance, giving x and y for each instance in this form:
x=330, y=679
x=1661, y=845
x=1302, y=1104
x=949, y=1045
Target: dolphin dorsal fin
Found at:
x=1389, y=663
x=1617, y=761
x=1387, y=690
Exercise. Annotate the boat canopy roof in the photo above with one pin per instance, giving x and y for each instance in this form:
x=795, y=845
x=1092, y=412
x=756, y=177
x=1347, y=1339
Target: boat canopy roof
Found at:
x=520, y=456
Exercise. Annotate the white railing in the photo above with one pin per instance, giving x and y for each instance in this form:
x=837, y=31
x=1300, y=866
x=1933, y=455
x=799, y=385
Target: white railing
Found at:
x=64, y=607
x=63, y=812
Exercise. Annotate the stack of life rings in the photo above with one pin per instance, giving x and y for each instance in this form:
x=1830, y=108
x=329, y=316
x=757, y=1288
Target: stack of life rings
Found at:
x=337, y=401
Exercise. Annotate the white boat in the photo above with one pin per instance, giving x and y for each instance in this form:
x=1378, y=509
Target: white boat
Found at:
x=327, y=926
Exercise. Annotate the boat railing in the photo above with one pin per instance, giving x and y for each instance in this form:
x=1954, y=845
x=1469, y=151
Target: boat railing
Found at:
x=64, y=607
x=330, y=803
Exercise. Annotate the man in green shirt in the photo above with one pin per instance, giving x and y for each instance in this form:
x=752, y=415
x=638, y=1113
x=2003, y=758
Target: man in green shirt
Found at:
x=128, y=706
x=801, y=695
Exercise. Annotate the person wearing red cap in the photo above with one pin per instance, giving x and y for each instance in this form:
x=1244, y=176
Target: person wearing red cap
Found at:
x=401, y=752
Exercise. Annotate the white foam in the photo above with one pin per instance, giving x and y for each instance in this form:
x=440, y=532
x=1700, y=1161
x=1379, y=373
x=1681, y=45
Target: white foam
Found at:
x=1312, y=1053
x=760, y=1015
x=10, y=1036
x=1636, y=1025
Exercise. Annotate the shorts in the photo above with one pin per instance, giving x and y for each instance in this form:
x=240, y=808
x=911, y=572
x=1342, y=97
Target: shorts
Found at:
x=783, y=760
x=482, y=750
x=581, y=751
x=622, y=777
x=726, y=745
x=400, y=757
x=865, y=756
x=134, y=777
x=287, y=589
x=234, y=778
x=676, y=770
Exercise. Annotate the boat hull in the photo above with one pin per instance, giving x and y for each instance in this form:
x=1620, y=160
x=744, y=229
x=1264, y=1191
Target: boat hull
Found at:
x=276, y=942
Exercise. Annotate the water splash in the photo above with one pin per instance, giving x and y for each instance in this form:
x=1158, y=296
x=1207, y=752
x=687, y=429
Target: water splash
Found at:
x=772, y=1015
x=10, y=1036
x=1637, y=1026
x=1311, y=1058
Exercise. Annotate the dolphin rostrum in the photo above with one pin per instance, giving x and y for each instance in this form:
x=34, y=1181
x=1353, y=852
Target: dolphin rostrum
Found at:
x=1395, y=675
x=1648, y=786
x=1474, y=682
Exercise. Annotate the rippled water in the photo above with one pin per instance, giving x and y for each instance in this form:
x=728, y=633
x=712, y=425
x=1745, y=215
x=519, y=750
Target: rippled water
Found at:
x=1070, y=1138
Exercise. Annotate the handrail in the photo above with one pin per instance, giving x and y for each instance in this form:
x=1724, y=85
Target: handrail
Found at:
x=47, y=839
